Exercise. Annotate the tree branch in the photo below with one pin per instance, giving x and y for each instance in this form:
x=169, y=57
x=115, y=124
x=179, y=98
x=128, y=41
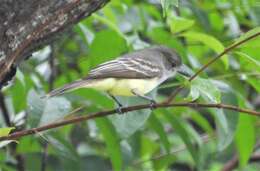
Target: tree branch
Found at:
x=228, y=49
x=19, y=134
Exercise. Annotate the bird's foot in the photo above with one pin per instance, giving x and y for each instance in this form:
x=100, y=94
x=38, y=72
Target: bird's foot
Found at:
x=119, y=110
x=152, y=104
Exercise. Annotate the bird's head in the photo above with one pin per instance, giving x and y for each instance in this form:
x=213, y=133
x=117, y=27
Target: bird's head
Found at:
x=173, y=60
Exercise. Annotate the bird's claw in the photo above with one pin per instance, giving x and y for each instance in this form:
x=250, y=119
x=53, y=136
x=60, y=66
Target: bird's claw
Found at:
x=119, y=110
x=152, y=104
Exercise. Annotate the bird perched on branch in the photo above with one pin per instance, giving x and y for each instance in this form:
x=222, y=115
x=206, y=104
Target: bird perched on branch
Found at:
x=132, y=74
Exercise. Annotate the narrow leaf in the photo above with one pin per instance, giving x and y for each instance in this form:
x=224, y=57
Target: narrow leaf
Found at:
x=178, y=24
x=6, y=131
x=35, y=108
x=155, y=124
x=110, y=24
x=245, y=138
x=112, y=142
x=206, y=89
x=246, y=128
x=177, y=124
x=249, y=58
x=209, y=41
x=56, y=108
x=129, y=123
x=226, y=121
x=166, y=4
x=248, y=34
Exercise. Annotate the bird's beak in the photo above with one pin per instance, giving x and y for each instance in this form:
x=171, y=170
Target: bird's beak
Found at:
x=184, y=70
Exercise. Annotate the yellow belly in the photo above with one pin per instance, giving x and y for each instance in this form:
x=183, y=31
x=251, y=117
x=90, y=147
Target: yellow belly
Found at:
x=124, y=87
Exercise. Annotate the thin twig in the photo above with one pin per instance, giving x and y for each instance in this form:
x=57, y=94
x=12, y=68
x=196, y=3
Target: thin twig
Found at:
x=77, y=119
x=228, y=49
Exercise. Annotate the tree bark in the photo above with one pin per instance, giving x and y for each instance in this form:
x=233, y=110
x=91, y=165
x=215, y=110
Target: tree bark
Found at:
x=26, y=25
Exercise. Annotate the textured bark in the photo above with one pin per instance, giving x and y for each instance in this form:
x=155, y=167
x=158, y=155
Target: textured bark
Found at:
x=26, y=25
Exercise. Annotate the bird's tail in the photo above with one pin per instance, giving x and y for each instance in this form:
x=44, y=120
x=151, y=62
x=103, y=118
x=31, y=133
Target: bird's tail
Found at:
x=68, y=87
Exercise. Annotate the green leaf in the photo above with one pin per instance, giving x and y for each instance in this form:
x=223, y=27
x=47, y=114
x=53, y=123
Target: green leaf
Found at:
x=112, y=142
x=155, y=124
x=6, y=131
x=20, y=77
x=206, y=89
x=245, y=138
x=56, y=108
x=216, y=21
x=164, y=162
x=18, y=92
x=248, y=34
x=179, y=24
x=200, y=15
x=201, y=121
x=110, y=24
x=227, y=121
x=85, y=33
x=129, y=123
x=166, y=4
x=193, y=134
x=35, y=108
x=249, y=58
x=160, y=36
x=29, y=145
x=254, y=82
x=61, y=146
x=95, y=97
x=148, y=147
x=101, y=50
x=246, y=128
x=180, y=129
x=222, y=126
x=209, y=41
x=109, y=13
x=248, y=63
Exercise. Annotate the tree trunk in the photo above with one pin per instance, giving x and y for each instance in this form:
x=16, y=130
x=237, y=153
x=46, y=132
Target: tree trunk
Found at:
x=26, y=25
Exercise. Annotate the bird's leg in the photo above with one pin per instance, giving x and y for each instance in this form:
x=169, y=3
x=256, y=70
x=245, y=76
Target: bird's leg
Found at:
x=119, y=105
x=152, y=101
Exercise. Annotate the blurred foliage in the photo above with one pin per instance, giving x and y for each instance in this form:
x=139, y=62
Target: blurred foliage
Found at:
x=164, y=139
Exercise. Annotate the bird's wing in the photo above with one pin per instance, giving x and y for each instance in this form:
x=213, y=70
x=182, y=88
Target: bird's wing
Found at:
x=125, y=68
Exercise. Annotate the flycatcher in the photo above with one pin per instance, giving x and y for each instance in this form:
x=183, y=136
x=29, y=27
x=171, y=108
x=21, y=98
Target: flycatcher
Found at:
x=133, y=74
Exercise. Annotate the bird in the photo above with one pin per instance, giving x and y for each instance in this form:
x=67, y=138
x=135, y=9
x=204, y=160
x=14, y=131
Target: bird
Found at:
x=132, y=74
